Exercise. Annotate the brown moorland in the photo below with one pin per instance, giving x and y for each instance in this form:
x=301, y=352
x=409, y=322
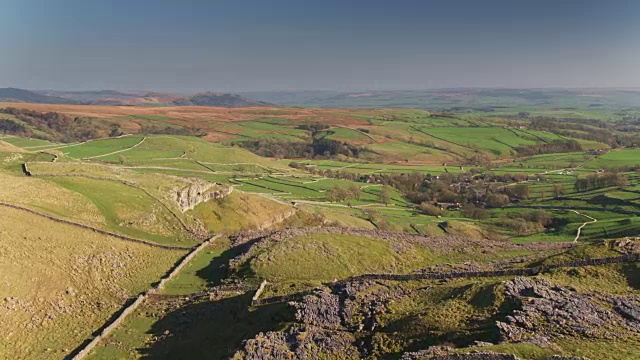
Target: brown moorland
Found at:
x=195, y=115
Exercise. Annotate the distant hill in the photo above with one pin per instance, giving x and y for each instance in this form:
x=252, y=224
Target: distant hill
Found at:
x=222, y=100
x=98, y=97
x=112, y=97
x=21, y=95
x=493, y=100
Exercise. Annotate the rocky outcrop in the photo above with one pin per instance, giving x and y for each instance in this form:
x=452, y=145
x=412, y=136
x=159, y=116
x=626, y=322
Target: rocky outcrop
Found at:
x=277, y=220
x=628, y=245
x=401, y=240
x=547, y=311
x=430, y=354
x=322, y=309
x=327, y=322
x=198, y=192
x=299, y=342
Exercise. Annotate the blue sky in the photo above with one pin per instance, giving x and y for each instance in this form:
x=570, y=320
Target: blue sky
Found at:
x=247, y=45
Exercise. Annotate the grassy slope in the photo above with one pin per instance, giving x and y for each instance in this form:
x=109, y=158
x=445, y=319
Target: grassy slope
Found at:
x=128, y=210
x=65, y=282
x=327, y=257
x=239, y=211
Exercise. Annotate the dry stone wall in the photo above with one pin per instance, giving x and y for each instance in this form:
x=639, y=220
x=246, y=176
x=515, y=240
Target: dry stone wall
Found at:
x=99, y=231
x=85, y=350
x=532, y=271
x=25, y=169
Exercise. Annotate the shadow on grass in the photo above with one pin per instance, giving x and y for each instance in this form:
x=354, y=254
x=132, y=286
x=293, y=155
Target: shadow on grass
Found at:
x=632, y=274
x=481, y=326
x=213, y=329
x=218, y=268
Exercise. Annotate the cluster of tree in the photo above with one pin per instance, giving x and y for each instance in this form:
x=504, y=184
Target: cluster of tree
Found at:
x=56, y=127
x=313, y=128
x=430, y=209
x=338, y=193
x=474, y=212
x=278, y=148
x=172, y=130
x=484, y=190
x=529, y=223
x=556, y=146
x=518, y=191
x=353, y=192
x=328, y=148
x=8, y=126
x=317, y=148
x=597, y=181
x=481, y=190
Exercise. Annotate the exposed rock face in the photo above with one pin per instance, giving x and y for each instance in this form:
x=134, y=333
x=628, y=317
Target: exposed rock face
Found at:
x=327, y=319
x=628, y=245
x=299, y=343
x=272, y=345
x=198, y=192
x=629, y=308
x=437, y=355
x=548, y=311
x=425, y=354
x=319, y=309
x=348, y=306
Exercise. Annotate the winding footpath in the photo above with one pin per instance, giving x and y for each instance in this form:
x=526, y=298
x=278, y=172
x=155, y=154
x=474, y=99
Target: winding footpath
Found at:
x=593, y=220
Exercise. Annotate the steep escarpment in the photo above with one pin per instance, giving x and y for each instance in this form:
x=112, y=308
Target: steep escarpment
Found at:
x=197, y=192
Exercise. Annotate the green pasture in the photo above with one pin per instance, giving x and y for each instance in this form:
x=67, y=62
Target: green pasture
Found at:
x=616, y=158
x=27, y=143
x=101, y=147
x=128, y=210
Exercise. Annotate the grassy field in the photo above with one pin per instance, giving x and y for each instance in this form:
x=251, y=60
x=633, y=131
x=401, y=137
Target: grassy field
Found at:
x=327, y=257
x=128, y=210
x=198, y=275
x=60, y=283
x=27, y=143
x=51, y=199
x=98, y=148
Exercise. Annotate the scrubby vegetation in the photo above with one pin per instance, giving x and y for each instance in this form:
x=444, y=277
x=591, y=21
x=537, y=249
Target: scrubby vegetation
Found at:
x=54, y=126
x=318, y=148
x=173, y=130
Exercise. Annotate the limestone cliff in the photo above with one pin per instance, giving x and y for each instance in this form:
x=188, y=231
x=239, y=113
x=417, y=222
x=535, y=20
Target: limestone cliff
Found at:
x=198, y=192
